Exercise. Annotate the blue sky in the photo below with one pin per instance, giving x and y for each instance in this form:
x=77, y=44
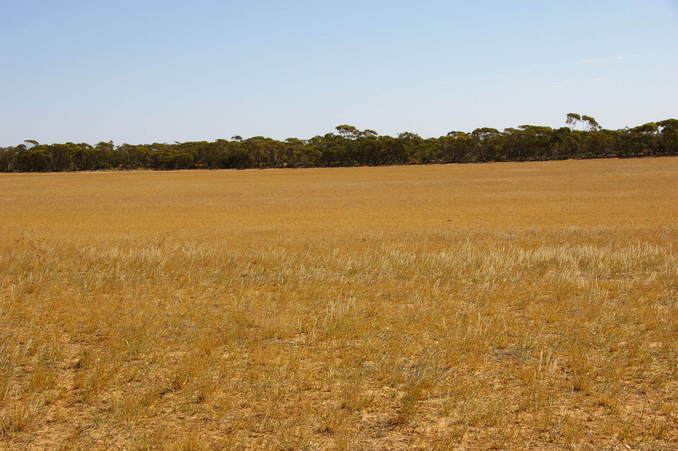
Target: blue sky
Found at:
x=164, y=70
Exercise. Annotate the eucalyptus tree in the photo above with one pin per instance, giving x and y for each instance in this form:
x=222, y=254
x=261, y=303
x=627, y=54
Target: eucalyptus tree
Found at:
x=350, y=146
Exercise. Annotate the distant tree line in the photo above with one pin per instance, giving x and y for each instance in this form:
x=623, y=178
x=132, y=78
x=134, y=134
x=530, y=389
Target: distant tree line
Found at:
x=349, y=146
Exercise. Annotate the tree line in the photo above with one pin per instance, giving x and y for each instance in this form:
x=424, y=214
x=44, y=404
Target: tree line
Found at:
x=349, y=146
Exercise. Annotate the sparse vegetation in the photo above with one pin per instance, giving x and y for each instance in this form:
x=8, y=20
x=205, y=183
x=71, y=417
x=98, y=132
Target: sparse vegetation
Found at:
x=432, y=307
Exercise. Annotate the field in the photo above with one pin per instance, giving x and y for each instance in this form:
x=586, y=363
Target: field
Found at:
x=529, y=305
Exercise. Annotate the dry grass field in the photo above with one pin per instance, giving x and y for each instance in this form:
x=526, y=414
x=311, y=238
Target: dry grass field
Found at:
x=504, y=305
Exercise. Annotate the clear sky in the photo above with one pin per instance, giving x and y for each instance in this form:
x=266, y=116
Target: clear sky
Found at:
x=142, y=71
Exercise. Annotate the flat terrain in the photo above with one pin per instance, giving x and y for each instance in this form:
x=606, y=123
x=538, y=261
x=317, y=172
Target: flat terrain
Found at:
x=521, y=305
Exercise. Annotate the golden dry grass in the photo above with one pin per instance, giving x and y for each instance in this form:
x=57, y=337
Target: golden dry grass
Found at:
x=428, y=307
